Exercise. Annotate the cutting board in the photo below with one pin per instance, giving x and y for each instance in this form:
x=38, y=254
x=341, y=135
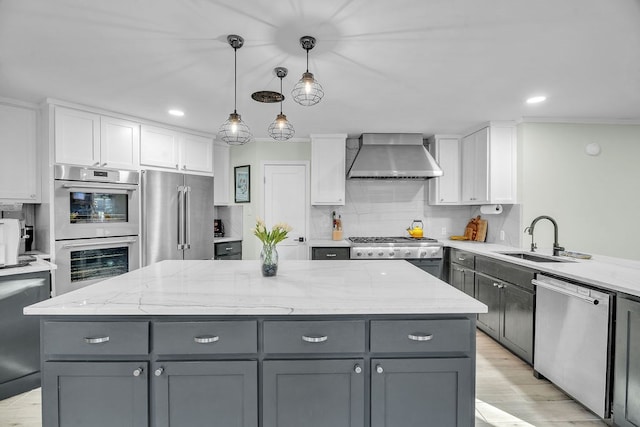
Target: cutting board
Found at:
x=476, y=229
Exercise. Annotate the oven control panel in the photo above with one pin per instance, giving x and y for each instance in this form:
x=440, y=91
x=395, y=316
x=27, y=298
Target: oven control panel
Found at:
x=408, y=252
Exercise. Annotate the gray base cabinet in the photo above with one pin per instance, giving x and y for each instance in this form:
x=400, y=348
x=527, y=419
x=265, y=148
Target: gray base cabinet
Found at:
x=313, y=393
x=461, y=271
x=626, y=400
x=199, y=394
x=269, y=371
x=96, y=394
x=421, y=392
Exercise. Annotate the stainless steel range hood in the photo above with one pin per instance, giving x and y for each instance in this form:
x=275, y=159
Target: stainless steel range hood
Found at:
x=393, y=156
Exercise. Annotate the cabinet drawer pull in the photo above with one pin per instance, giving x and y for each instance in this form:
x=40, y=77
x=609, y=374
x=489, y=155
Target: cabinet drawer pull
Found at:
x=420, y=336
x=138, y=372
x=331, y=255
x=357, y=369
x=96, y=340
x=497, y=285
x=315, y=338
x=460, y=258
x=158, y=371
x=379, y=369
x=206, y=339
x=228, y=249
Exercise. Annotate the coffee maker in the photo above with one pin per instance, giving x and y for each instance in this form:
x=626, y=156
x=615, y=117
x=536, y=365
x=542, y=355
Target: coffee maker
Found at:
x=218, y=228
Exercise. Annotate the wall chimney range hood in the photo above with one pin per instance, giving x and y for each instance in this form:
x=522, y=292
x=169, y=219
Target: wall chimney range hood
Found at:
x=393, y=156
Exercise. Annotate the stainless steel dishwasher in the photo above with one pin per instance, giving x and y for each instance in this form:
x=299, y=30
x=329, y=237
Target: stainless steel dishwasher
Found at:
x=573, y=330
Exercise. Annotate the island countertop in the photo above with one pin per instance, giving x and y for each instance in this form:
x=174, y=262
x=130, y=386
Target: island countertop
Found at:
x=218, y=287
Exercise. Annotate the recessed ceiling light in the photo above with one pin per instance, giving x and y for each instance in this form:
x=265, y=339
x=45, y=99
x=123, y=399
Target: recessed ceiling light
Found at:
x=536, y=99
x=177, y=113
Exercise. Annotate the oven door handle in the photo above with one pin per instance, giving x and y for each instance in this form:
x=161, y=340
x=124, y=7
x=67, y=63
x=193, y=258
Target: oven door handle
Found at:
x=99, y=186
x=111, y=242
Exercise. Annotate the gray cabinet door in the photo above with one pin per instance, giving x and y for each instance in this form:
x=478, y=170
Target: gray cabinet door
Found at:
x=199, y=394
x=488, y=292
x=422, y=392
x=96, y=394
x=456, y=276
x=516, y=329
x=313, y=393
x=468, y=284
x=626, y=404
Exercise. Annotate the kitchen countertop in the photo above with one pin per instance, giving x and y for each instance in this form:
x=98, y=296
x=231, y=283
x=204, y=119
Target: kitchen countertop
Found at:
x=327, y=243
x=35, y=266
x=614, y=274
x=226, y=239
x=238, y=288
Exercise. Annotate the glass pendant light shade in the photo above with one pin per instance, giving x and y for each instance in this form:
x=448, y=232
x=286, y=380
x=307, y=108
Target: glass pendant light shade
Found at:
x=281, y=129
x=307, y=91
x=234, y=131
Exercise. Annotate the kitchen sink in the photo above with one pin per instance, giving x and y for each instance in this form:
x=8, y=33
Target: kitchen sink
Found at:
x=533, y=257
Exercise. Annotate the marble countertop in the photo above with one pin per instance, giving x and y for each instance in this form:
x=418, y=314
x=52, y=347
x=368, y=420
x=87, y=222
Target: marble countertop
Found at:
x=35, y=266
x=214, y=287
x=614, y=274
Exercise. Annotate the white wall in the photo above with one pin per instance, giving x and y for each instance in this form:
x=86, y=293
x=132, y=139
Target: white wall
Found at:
x=594, y=199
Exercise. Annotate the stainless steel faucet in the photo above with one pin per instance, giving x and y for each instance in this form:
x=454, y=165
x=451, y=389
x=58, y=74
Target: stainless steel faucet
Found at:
x=556, y=247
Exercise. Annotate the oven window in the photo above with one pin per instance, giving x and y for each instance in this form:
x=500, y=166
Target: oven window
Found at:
x=85, y=208
x=90, y=264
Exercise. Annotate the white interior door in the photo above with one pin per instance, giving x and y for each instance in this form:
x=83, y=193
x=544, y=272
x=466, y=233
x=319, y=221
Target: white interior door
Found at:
x=286, y=200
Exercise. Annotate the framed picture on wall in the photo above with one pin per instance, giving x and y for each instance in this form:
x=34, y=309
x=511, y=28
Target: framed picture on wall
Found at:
x=242, y=183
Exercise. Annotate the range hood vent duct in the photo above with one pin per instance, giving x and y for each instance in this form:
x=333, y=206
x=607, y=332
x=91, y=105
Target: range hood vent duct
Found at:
x=393, y=156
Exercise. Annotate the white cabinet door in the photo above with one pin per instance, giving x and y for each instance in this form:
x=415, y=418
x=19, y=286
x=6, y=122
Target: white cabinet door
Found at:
x=196, y=153
x=77, y=137
x=445, y=190
x=503, y=161
x=18, y=164
x=328, y=157
x=119, y=143
x=475, y=167
x=221, y=176
x=159, y=147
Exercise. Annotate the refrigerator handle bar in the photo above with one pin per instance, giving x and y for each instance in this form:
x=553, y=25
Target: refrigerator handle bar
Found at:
x=180, y=217
x=187, y=217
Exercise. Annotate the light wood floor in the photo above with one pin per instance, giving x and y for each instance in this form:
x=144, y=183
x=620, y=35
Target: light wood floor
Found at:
x=507, y=396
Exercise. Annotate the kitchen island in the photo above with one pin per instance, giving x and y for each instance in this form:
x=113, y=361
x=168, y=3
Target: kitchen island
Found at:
x=336, y=343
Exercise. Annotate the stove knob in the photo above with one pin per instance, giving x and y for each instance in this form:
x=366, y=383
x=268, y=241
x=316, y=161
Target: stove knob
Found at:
x=423, y=254
x=380, y=253
x=370, y=253
x=408, y=253
x=392, y=253
x=358, y=253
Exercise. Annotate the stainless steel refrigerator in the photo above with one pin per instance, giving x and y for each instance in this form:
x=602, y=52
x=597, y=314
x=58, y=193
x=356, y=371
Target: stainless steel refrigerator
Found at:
x=177, y=216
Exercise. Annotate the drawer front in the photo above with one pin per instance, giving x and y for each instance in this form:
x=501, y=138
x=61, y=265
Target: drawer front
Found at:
x=451, y=335
x=314, y=336
x=329, y=253
x=507, y=272
x=96, y=338
x=205, y=337
x=228, y=248
x=463, y=258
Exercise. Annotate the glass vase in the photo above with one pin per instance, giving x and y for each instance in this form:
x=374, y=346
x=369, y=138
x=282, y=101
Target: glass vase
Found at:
x=269, y=260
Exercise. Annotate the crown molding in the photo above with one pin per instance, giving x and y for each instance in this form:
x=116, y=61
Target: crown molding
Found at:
x=579, y=120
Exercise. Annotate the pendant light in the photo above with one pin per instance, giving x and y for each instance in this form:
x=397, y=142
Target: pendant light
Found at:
x=307, y=91
x=234, y=131
x=281, y=129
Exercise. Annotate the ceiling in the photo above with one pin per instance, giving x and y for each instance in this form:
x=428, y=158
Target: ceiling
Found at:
x=427, y=66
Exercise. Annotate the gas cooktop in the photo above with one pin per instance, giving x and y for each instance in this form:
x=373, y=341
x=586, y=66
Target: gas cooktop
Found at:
x=395, y=248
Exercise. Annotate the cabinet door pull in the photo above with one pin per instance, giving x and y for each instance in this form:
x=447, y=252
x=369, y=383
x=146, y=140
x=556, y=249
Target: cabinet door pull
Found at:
x=379, y=369
x=331, y=255
x=357, y=369
x=96, y=340
x=158, y=371
x=420, y=336
x=206, y=339
x=228, y=249
x=460, y=258
x=138, y=372
x=497, y=285
x=315, y=338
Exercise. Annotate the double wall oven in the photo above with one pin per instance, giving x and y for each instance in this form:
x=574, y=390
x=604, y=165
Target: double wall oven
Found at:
x=423, y=252
x=97, y=225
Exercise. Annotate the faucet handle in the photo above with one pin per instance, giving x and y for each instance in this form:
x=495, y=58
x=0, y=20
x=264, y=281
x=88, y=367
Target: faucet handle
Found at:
x=534, y=246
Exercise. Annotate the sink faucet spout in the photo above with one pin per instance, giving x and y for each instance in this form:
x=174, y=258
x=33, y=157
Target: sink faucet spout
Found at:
x=556, y=247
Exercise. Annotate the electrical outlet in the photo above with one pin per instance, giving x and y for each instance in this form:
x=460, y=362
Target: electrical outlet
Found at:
x=444, y=231
x=502, y=235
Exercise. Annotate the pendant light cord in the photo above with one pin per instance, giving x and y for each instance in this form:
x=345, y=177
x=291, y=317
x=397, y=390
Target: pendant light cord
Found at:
x=281, y=95
x=307, y=60
x=235, y=79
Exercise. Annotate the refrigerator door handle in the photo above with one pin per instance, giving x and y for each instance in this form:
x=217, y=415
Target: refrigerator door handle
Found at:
x=187, y=217
x=180, y=217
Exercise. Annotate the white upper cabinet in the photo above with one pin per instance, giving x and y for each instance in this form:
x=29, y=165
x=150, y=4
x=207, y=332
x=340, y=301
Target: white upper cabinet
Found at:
x=222, y=178
x=328, y=158
x=89, y=139
x=18, y=163
x=196, y=153
x=445, y=190
x=489, y=165
x=165, y=148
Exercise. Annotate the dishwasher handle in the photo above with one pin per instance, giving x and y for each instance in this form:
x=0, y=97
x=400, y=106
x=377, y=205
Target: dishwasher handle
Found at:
x=551, y=287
